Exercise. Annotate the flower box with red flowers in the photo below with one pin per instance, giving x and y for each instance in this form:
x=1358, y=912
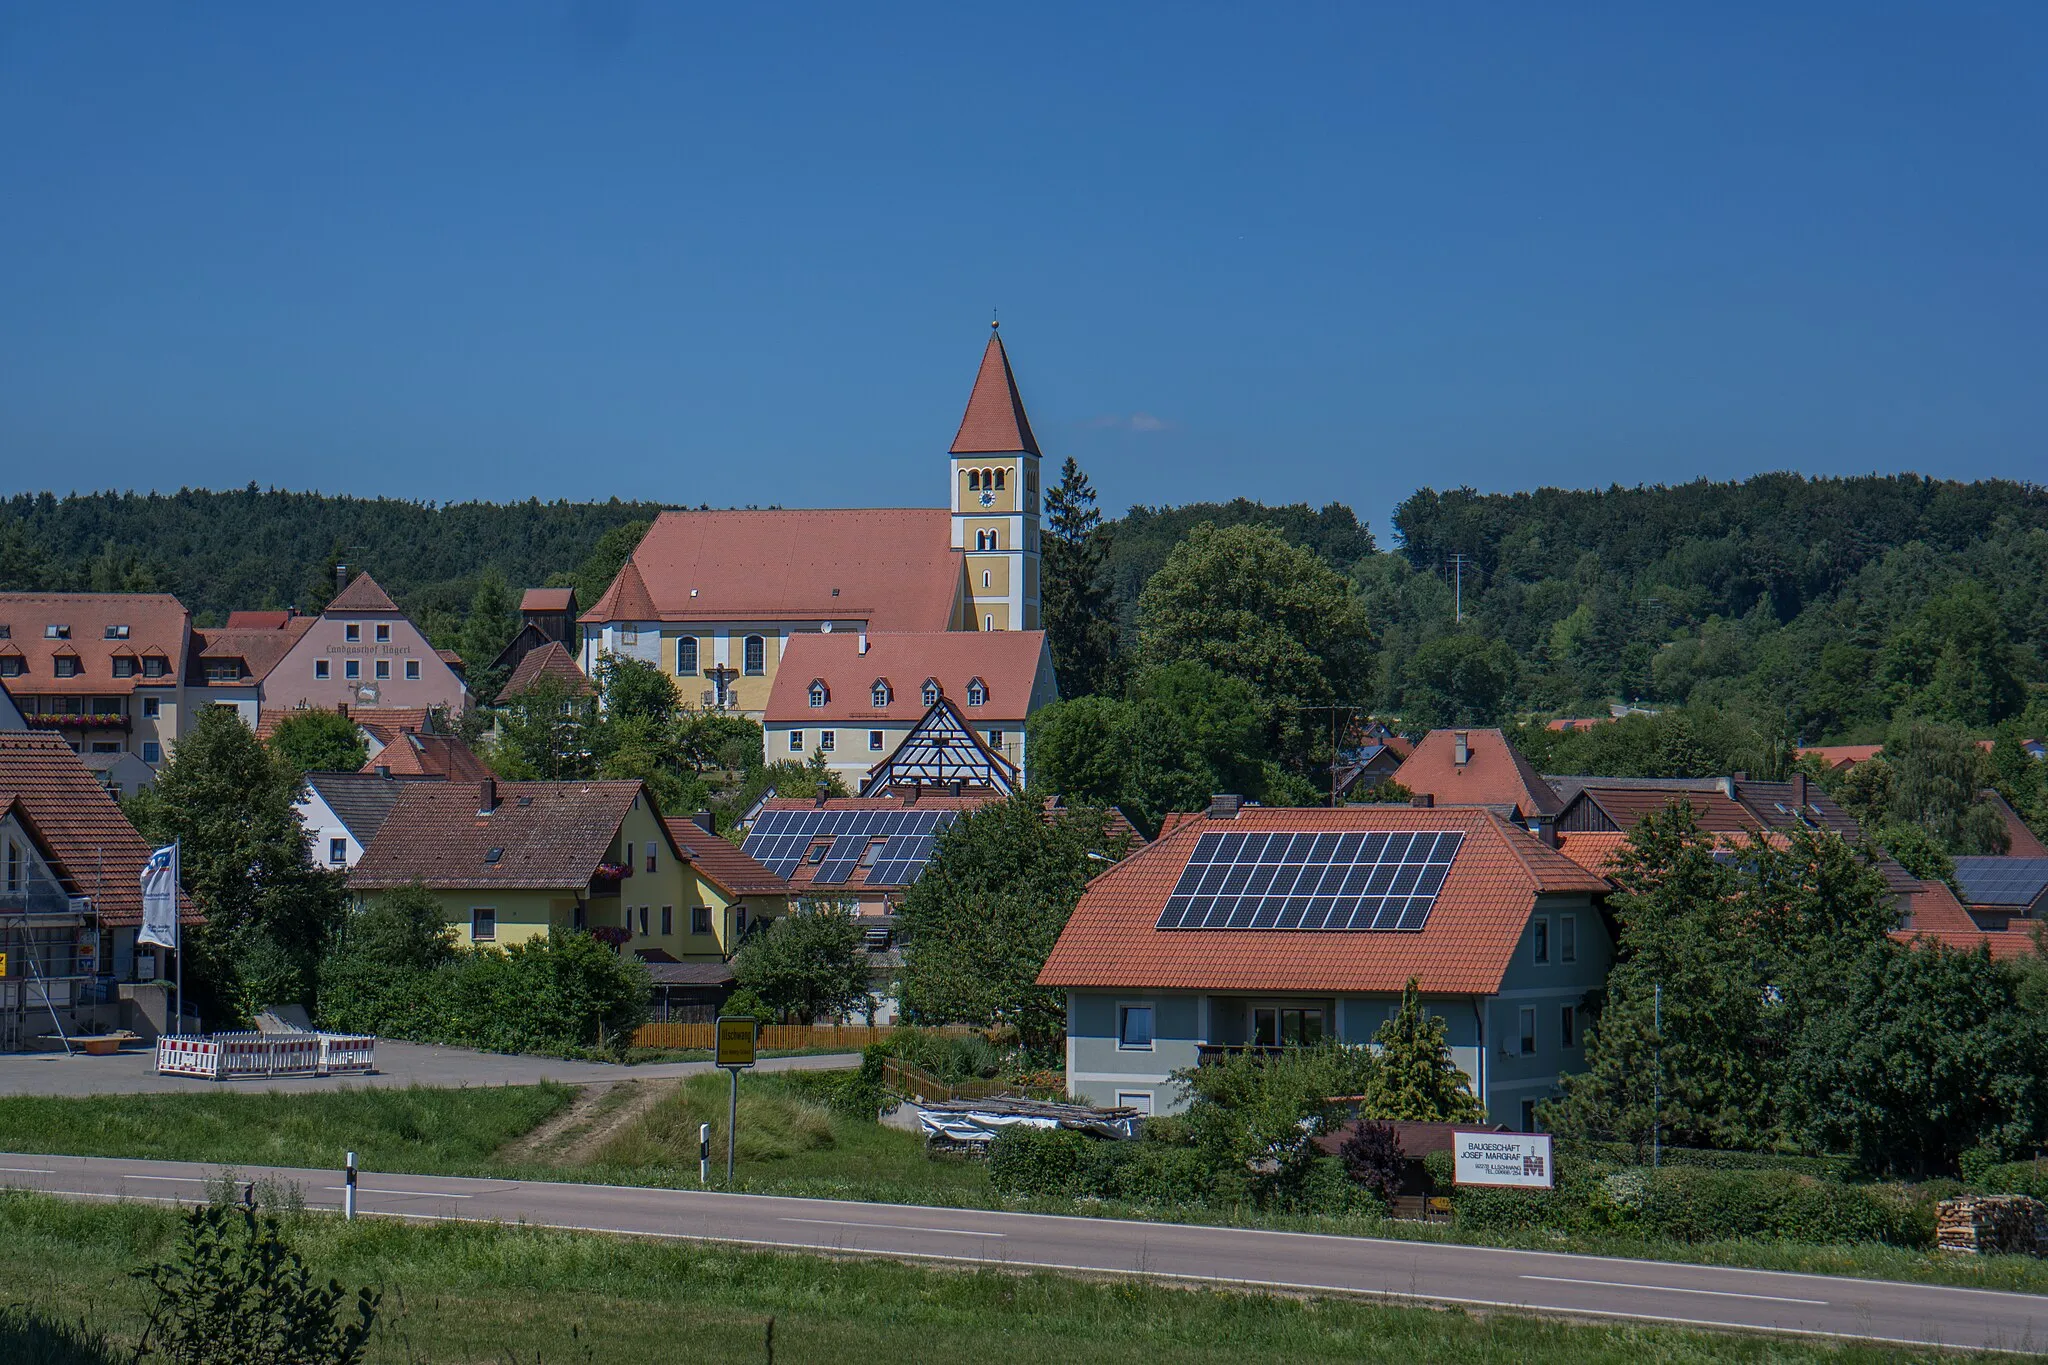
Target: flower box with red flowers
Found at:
x=100, y=720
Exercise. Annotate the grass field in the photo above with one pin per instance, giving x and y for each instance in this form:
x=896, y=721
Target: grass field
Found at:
x=479, y=1293
x=789, y=1144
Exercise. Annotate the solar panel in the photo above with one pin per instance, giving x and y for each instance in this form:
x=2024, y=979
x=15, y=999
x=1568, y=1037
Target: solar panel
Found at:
x=779, y=839
x=2002, y=880
x=1289, y=880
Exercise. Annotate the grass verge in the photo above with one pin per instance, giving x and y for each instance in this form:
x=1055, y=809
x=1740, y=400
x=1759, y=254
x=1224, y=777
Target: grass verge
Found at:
x=492, y=1293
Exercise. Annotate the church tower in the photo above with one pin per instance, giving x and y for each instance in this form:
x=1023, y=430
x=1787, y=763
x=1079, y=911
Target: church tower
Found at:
x=996, y=499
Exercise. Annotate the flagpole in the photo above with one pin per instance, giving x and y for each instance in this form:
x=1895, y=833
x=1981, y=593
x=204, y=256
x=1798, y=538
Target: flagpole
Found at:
x=178, y=938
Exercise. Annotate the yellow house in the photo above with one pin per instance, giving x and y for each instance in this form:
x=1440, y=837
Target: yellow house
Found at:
x=509, y=861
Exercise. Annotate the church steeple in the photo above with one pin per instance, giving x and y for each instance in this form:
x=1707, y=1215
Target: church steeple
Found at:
x=995, y=422
x=995, y=500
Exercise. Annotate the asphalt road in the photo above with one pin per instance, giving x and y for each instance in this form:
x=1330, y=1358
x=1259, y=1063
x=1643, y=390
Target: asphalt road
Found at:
x=1479, y=1277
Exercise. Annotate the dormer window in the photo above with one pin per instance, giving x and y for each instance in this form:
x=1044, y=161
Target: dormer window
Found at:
x=155, y=666
x=977, y=692
x=124, y=665
x=931, y=691
x=6, y=632
x=56, y=632
x=117, y=632
x=880, y=693
x=67, y=665
x=820, y=694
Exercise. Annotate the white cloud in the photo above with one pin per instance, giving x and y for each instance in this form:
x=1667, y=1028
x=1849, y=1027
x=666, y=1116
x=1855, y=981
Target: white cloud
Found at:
x=1130, y=421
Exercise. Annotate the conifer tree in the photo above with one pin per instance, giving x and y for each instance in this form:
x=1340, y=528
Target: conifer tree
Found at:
x=1416, y=1080
x=1074, y=588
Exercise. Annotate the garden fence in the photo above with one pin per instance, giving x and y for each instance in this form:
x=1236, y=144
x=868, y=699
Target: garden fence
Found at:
x=776, y=1037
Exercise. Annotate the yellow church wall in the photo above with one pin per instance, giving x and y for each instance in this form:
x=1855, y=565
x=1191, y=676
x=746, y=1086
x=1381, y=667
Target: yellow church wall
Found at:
x=747, y=692
x=970, y=499
x=988, y=575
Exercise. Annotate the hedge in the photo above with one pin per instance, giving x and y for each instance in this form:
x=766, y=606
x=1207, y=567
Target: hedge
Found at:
x=1059, y=1163
x=2016, y=1177
x=1837, y=1168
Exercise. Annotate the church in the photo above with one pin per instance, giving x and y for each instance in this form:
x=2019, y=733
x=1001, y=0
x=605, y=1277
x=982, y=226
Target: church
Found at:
x=722, y=601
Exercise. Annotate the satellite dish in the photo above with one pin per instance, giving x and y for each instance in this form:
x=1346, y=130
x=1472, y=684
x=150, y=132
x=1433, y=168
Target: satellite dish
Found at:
x=827, y=627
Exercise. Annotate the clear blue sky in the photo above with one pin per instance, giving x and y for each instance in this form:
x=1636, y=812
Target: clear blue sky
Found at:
x=747, y=253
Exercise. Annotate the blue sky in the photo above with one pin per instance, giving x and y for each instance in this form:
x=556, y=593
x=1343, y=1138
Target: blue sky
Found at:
x=747, y=254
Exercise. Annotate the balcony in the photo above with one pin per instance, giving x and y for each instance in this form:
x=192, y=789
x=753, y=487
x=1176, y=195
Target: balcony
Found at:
x=1206, y=1053
x=92, y=720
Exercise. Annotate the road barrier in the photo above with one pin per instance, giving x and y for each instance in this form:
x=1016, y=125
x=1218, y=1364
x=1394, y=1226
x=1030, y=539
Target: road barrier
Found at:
x=227, y=1056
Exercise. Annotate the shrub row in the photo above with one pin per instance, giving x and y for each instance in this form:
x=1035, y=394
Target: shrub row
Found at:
x=1058, y=1163
x=1838, y=1168
x=2016, y=1177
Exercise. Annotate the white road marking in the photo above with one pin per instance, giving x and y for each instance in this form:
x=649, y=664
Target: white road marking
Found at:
x=25, y=1170
x=1672, y=1289
x=417, y=1194
x=893, y=1227
x=179, y=1179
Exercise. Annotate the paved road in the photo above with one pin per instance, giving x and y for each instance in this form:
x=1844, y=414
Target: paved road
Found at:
x=1584, y=1286
x=398, y=1064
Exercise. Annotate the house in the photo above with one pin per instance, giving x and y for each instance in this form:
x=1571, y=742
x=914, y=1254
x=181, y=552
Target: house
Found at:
x=104, y=670
x=1477, y=768
x=1999, y=891
x=715, y=599
x=510, y=861
x=1840, y=756
x=229, y=665
x=427, y=753
x=122, y=774
x=10, y=714
x=732, y=890
x=855, y=698
x=342, y=812
x=1270, y=927
x=550, y=662
x=546, y=616
x=70, y=893
x=362, y=651
x=1367, y=765
x=2020, y=840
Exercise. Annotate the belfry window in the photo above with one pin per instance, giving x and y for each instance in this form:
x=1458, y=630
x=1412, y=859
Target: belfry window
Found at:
x=999, y=478
x=974, y=480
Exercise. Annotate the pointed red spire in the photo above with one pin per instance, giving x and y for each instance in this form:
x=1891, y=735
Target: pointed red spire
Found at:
x=995, y=422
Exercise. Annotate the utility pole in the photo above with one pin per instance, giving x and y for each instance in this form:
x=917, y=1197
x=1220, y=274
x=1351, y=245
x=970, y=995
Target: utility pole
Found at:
x=1458, y=563
x=1657, y=1093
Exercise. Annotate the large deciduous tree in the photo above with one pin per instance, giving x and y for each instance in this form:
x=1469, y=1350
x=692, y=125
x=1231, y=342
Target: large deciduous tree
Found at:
x=1458, y=679
x=809, y=964
x=319, y=741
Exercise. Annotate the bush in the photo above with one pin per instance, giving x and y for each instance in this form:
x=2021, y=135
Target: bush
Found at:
x=1372, y=1158
x=1042, y=1162
x=1155, y=1174
x=1838, y=1168
x=1442, y=1170
x=1693, y=1205
x=29, y=1337
x=1324, y=1187
x=2015, y=1177
x=859, y=1094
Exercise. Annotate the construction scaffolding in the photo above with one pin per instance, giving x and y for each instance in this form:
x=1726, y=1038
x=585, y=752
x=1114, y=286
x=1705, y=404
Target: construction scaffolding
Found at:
x=50, y=951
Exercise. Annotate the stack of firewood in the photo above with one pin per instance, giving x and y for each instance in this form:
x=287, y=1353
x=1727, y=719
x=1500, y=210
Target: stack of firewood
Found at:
x=1989, y=1224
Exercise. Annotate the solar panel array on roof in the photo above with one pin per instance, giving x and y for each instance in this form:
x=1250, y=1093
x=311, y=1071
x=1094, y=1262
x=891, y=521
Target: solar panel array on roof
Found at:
x=780, y=838
x=2002, y=881
x=1286, y=880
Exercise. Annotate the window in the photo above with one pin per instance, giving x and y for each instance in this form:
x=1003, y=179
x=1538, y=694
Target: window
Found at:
x=152, y=707
x=1140, y=1100
x=152, y=752
x=796, y=741
x=700, y=919
x=1134, y=1027
x=13, y=866
x=828, y=740
x=1292, y=1026
x=383, y=669
x=6, y=632
x=988, y=623
x=974, y=480
x=155, y=667
x=1529, y=1032
x=873, y=852
x=977, y=692
x=652, y=852
x=1568, y=938
x=741, y=920
x=12, y=666
x=352, y=668
x=106, y=746
x=67, y=666
x=352, y=633
x=1528, y=1116
x=1539, y=940
x=412, y=670
x=686, y=656
x=117, y=632
x=643, y=921
x=124, y=666
x=337, y=851
x=483, y=925
x=629, y=634
x=224, y=670
x=999, y=478
x=995, y=739
x=874, y=741
x=819, y=693
x=754, y=655
x=56, y=632
x=1568, y=1027
x=816, y=853
x=668, y=920
x=629, y=855
x=880, y=694
x=320, y=671
x=383, y=635
x=931, y=691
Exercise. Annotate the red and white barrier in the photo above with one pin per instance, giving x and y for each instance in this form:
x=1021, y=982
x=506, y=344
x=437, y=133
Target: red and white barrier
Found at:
x=347, y=1053
x=226, y=1056
x=188, y=1057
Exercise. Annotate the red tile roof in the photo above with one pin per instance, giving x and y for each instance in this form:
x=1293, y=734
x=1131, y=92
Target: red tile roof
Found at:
x=1494, y=774
x=412, y=754
x=2022, y=842
x=550, y=661
x=1012, y=664
x=259, y=620
x=361, y=595
x=1842, y=755
x=552, y=835
x=724, y=863
x=1464, y=949
x=157, y=626
x=1627, y=806
x=260, y=648
x=547, y=599
x=93, y=849
x=894, y=568
x=2004, y=946
x=926, y=800
x=994, y=422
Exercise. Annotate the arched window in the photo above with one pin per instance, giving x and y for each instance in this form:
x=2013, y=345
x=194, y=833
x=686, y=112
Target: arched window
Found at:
x=686, y=655
x=880, y=693
x=756, y=656
x=977, y=692
x=999, y=478
x=820, y=693
x=931, y=691
x=984, y=578
x=974, y=480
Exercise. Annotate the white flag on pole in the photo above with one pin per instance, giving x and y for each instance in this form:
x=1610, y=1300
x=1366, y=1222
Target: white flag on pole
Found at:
x=160, y=899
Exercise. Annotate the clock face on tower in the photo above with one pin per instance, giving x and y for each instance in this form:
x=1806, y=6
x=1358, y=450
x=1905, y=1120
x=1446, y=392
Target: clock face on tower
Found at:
x=988, y=499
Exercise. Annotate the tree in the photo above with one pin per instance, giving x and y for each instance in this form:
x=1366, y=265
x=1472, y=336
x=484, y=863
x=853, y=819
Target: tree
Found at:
x=269, y=913
x=978, y=925
x=1372, y=1158
x=1255, y=1117
x=319, y=741
x=596, y=572
x=1416, y=1080
x=1954, y=661
x=1245, y=603
x=1074, y=589
x=544, y=734
x=490, y=624
x=404, y=928
x=809, y=964
x=1937, y=775
x=1458, y=679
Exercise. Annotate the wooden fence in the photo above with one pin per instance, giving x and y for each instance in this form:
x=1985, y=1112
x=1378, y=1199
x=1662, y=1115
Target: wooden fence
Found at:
x=774, y=1037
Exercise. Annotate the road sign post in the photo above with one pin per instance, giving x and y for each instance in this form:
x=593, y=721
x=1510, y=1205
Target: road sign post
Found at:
x=735, y=1053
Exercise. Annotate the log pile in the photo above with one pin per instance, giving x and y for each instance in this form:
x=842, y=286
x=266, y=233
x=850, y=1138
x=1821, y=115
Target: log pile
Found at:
x=1992, y=1224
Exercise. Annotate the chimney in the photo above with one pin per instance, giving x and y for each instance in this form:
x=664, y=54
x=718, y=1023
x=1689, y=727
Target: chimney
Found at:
x=1799, y=791
x=702, y=819
x=863, y=641
x=1225, y=806
x=1461, y=747
x=1544, y=827
x=1423, y=800
x=487, y=793
x=824, y=791
x=912, y=792
x=340, y=577
x=956, y=787
x=384, y=771
x=341, y=709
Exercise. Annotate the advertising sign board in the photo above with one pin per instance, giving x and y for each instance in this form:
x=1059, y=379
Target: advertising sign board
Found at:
x=1517, y=1160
